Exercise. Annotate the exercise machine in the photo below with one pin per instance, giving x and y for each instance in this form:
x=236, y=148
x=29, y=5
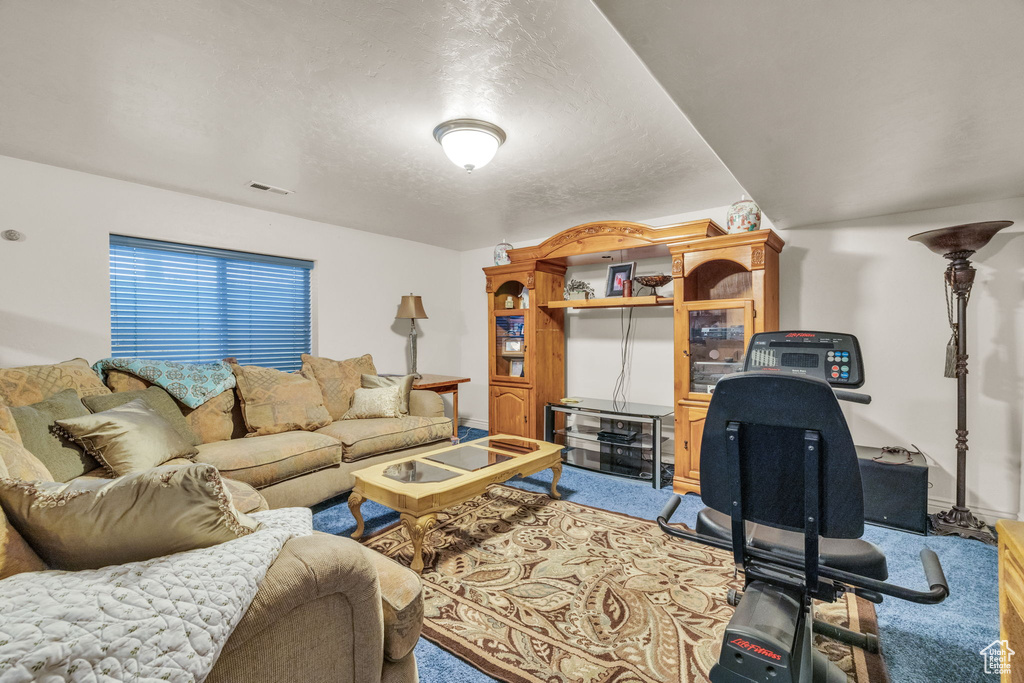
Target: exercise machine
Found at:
x=781, y=482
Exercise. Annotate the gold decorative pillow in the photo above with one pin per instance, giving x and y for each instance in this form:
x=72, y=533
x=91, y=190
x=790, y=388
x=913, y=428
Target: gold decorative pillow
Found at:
x=90, y=523
x=35, y=383
x=274, y=401
x=16, y=555
x=377, y=382
x=128, y=438
x=18, y=463
x=383, y=402
x=7, y=424
x=338, y=379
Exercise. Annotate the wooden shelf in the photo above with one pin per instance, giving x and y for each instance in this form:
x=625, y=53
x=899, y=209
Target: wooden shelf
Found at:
x=613, y=302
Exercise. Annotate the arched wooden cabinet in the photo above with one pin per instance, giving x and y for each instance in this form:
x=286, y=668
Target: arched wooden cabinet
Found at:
x=725, y=288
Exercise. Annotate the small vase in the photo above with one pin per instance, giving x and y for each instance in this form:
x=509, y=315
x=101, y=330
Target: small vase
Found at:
x=501, y=253
x=743, y=216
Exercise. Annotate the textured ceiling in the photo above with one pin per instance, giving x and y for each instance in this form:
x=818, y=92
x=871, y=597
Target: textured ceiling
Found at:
x=337, y=100
x=829, y=111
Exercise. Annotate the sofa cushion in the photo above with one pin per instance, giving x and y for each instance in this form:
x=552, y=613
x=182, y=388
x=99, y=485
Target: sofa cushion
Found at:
x=154, y=397
x=369, y=403
x=88, y=523
x=338, y=379
x=129, y=438
x=363, y=438
x=63, y=458
x=35, y=383
x=262, y=461
x=401, y=593
x=274, y=401
x=16, y=555
x=219, y=419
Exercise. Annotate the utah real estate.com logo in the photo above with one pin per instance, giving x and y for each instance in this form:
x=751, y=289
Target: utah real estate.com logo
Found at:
x=997, y=657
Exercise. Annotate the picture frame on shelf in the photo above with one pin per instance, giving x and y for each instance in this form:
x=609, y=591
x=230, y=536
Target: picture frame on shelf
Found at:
x=513, y=345
x=618, y=275
x=515, y=368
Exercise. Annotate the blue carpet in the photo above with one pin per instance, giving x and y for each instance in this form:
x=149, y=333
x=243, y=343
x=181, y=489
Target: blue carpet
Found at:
x=921, y=643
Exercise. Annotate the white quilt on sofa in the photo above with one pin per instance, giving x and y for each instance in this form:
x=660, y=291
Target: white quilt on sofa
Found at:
x=164, y=619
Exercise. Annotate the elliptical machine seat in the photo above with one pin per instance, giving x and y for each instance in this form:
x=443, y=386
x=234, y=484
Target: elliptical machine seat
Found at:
x=852, y=555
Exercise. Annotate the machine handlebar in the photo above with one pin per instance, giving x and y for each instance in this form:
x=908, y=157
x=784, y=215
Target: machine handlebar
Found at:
x=670, y=508
x=852, y=396
x=933, y=571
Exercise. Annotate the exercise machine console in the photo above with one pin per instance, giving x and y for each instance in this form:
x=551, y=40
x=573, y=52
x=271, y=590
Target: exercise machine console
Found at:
x=780, y=477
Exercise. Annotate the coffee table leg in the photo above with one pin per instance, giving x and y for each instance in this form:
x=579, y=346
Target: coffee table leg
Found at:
x=355, y=501
x=418, y=527
x=556, y=473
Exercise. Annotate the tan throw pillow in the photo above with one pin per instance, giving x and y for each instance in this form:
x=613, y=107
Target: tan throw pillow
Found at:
x=19, y=463
x=35, y=383
x=16, y=555
x=383, y=402
x=338, y=379
x=7, y=424
x=274, y=401
x=127, y=439
x=90, y=523
x=377, y=382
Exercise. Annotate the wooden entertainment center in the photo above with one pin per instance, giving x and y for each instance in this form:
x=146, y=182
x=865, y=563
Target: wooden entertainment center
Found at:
x=725, y=288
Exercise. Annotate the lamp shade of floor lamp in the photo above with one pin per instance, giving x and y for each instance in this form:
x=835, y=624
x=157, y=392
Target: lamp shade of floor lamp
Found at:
x=412, y=308
x=958, y=243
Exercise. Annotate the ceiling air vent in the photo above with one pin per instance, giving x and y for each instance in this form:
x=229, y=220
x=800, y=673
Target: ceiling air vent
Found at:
x=268, y=188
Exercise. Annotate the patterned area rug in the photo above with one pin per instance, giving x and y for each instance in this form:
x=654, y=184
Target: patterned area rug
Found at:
x=533, y=590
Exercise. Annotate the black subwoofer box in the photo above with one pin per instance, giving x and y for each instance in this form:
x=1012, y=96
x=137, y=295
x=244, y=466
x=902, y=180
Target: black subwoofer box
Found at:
x=895, y=489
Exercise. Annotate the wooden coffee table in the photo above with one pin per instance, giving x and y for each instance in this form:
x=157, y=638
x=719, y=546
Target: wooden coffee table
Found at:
x=420, y=486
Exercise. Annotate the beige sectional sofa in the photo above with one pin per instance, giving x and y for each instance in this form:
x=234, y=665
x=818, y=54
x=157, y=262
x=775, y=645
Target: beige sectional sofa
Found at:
x=328, y=609
x=304, y=468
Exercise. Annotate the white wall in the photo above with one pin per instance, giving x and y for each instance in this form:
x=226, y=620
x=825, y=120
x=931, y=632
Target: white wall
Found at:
x=865, y=278
x=861, y=277
x=55, y=284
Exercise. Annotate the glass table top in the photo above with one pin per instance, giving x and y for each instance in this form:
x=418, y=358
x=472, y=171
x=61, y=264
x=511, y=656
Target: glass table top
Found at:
x=470, y=458
x=415, y=471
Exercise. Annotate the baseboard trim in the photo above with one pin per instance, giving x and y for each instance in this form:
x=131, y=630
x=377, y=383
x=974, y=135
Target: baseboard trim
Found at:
x=475, y=423
x=987, y=515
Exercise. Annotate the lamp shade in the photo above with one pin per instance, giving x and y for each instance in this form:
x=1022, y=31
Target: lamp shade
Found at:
x=411, y=307
x=468, y=143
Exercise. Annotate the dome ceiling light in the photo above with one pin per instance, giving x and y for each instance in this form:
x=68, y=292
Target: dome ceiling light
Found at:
x=469, y=143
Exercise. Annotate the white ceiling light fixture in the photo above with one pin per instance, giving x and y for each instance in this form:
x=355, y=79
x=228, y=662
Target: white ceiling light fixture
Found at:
x=469, y=143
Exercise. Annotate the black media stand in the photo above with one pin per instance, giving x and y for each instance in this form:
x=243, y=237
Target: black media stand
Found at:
x=624, y=439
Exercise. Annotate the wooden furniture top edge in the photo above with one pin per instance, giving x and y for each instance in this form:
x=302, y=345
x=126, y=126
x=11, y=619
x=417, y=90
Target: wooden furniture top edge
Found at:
x=430, y=381
x=765, y=236
x=1010, y=532
x=590, y=238
x=525, y=267
x=374, y=474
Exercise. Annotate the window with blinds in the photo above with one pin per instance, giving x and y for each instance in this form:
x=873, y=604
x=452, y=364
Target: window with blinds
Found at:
x=194, y=304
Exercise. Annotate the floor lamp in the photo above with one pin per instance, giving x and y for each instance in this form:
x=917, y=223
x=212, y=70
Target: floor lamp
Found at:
x=958, y=243
x=412, y=308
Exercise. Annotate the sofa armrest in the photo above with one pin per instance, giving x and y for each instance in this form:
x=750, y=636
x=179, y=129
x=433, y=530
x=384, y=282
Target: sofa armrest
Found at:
x=316, y=617
x=401, y=593
x=424, y=403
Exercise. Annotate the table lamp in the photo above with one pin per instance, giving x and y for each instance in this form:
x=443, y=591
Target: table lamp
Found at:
x=412, y=308
x=957, y=244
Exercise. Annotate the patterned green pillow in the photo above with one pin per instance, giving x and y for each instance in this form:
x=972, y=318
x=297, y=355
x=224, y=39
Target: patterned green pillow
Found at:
x=64, y=459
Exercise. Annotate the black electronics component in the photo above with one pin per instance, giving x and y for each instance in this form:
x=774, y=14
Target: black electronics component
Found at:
x=895, y=488
x=831, y=356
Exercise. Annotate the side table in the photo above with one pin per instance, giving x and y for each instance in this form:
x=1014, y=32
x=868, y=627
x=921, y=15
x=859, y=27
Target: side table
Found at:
x=444, y=384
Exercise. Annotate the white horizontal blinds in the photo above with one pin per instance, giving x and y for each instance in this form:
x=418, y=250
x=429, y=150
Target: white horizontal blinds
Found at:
x=177, y=302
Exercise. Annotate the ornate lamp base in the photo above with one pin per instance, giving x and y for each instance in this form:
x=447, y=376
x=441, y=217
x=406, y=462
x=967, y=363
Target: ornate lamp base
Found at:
x=961, y=522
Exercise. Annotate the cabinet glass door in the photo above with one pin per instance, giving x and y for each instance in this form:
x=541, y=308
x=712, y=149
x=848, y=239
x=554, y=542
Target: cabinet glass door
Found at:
x=510, y=346
x=717, y=337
